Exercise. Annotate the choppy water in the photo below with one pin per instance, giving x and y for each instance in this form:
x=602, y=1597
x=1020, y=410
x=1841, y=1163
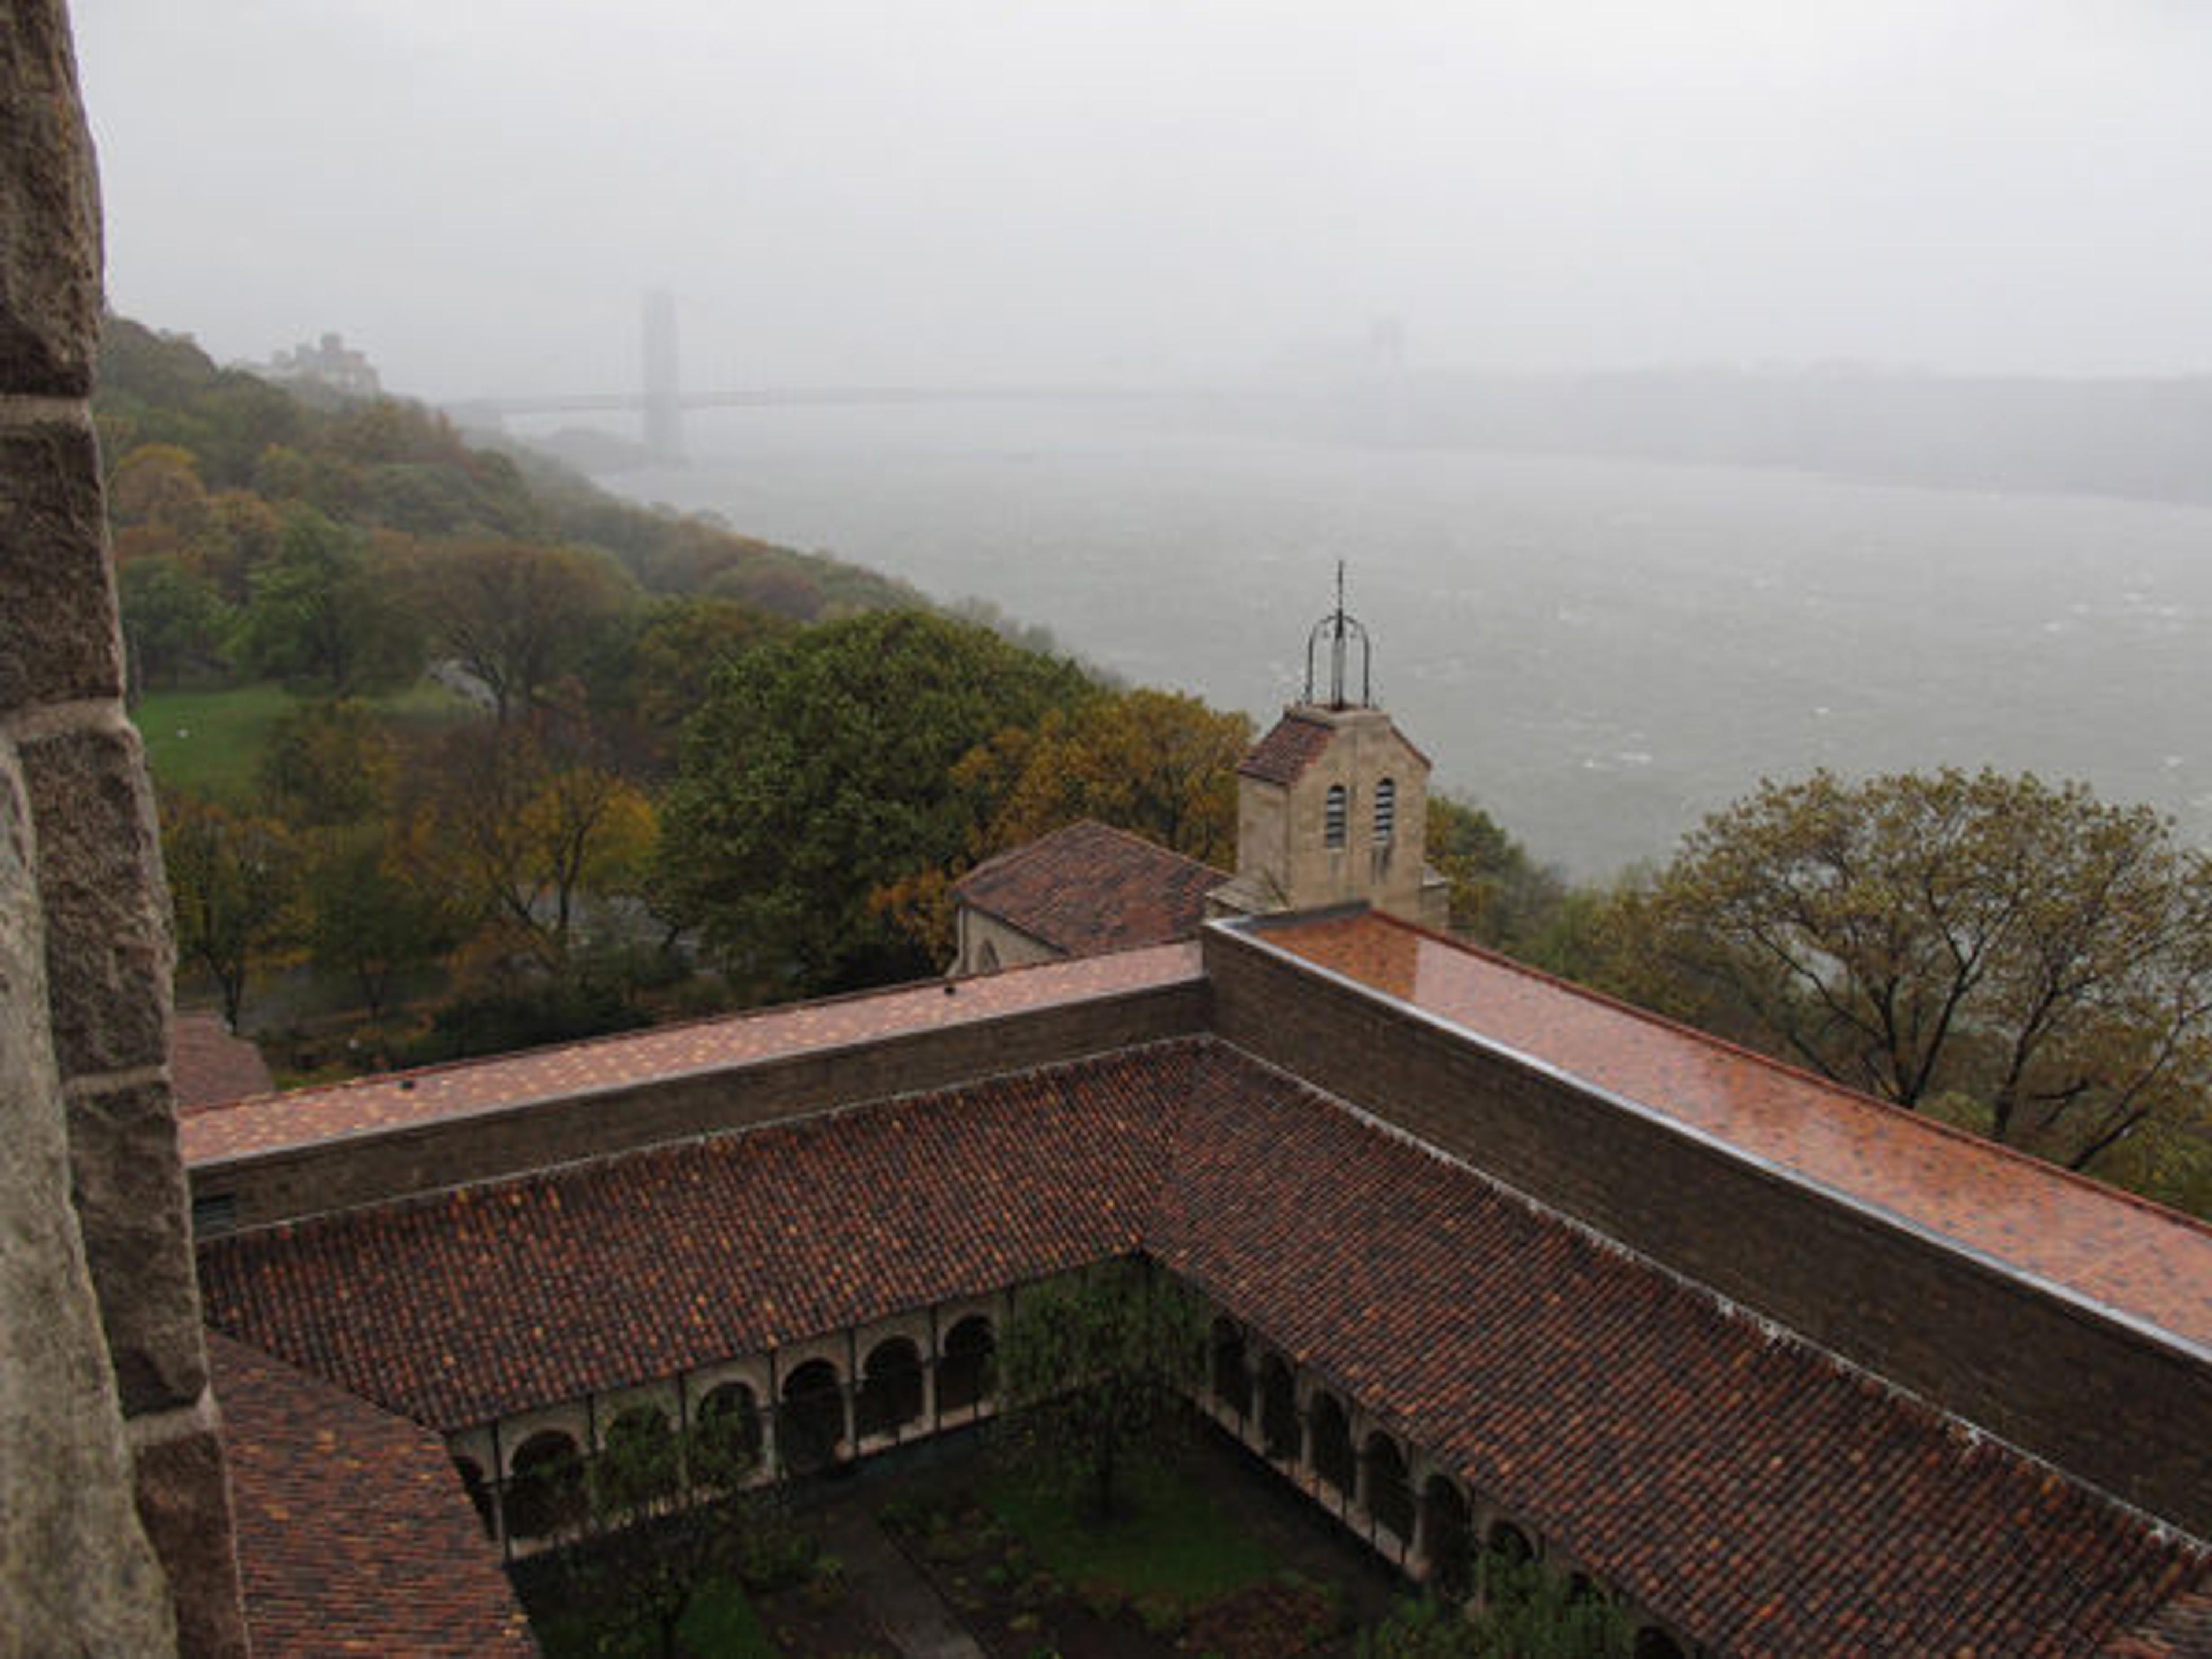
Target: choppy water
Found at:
x=1598, y=650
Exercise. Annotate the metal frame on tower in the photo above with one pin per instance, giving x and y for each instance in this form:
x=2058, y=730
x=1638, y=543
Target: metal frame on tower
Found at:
x=1340, y=629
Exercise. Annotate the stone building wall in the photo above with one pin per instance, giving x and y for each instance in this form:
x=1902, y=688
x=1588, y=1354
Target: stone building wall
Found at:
x=104, y=1395
x=1284, y=858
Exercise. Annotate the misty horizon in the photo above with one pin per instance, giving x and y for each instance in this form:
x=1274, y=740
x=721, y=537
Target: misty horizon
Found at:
x=973, y=194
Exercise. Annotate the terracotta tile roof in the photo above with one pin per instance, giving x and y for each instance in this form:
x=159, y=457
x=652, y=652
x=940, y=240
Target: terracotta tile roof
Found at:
x=497, y=1298
x=208, y=1066
x=1088, y=888
x=394, y=1100
x=2180, y=1630
x=354, y=1533
x=2110, y=1246
x=1292, y=745
x=1736, y=1482
x=1746, y=1487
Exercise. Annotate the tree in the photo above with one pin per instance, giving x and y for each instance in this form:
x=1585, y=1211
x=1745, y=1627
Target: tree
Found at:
x=175, y=622
x=367, y=917
x=1499, y=895
x=686, y=645
x=517, y=616
x=665, y=1513
x=822, y=771
x=1527, y=1613
x=321, y=616
x=521, y=825
x=1157, y=764
x=233, y=881
x=1099, y=1363
x=2023, y=957
x=329, y=762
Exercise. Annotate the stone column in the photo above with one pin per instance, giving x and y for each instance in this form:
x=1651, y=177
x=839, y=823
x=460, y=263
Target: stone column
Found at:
x=85, y=958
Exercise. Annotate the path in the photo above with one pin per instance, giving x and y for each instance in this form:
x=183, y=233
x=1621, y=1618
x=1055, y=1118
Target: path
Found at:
x=914, y=1620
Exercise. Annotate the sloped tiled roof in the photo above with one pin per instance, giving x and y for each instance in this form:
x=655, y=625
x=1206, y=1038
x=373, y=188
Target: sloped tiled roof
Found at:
x=1291, y=745
x=354, y=1533
x=2108, y=1246
x=493, y=1299
x=1088, y=888
x=1739, y=1483
x=208, y=1066
x=1745, y=1486
x=2180, y=1630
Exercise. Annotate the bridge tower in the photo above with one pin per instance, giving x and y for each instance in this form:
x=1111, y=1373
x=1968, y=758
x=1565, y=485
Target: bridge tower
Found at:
x=664, y=406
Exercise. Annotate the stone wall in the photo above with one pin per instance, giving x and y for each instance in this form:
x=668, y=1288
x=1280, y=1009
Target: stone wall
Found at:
x=988, y=945
x=345, y=1172
x=104, y=1393
x=2112, y=1403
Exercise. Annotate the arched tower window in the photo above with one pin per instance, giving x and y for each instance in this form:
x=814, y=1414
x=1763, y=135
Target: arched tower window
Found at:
x=1386, y=810
x=1333, y=817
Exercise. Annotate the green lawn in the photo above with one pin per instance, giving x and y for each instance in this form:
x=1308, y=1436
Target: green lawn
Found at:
x=1170, y=1540
x=210, y=742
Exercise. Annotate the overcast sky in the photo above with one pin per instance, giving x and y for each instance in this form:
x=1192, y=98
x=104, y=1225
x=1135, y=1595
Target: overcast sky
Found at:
x=479, y=192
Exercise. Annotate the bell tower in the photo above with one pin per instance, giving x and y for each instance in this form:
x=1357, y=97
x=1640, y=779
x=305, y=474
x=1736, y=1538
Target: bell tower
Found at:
x=1332, y=803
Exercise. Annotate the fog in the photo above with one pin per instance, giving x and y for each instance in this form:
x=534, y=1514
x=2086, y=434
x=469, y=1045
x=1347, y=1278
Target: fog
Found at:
x=478, y=192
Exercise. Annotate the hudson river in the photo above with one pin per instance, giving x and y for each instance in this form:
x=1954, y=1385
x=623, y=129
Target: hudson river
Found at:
x=1598, y=650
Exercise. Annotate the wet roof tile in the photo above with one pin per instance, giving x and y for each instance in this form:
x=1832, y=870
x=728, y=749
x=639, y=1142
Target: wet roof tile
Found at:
x=399, y=1099
x=1736, y=1481
x=354, y=1533
x=1089, y=887
x=2112, y=1248
x=1291, y=745
x=493, y=1299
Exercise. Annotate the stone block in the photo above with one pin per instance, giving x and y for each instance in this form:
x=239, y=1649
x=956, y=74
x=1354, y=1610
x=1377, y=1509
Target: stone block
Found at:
x=109, y=952
x=128, y=1184
x=77, y=1575
x=50, y=204
x=57, y=633
x=184, y=1502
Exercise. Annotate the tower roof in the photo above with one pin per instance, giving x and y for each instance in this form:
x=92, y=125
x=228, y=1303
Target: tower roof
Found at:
x=1295, y=743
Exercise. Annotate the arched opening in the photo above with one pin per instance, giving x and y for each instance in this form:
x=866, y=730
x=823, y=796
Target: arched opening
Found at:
x=1386, y=810
x=546, y=1487
x=637, y=1463
x=1389, y=1493
x=1232, y=1379
x=1511, y=1545
x=479, y=1491
x=1448, y=1537
x=890, y=1388
x=728, y=1437
x=1332, y=1443
x=1652, y=1642
x=963, y=1374
x=813, y=1425
x=1334, y=811
x=986, y=959
x=1278, y=1409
